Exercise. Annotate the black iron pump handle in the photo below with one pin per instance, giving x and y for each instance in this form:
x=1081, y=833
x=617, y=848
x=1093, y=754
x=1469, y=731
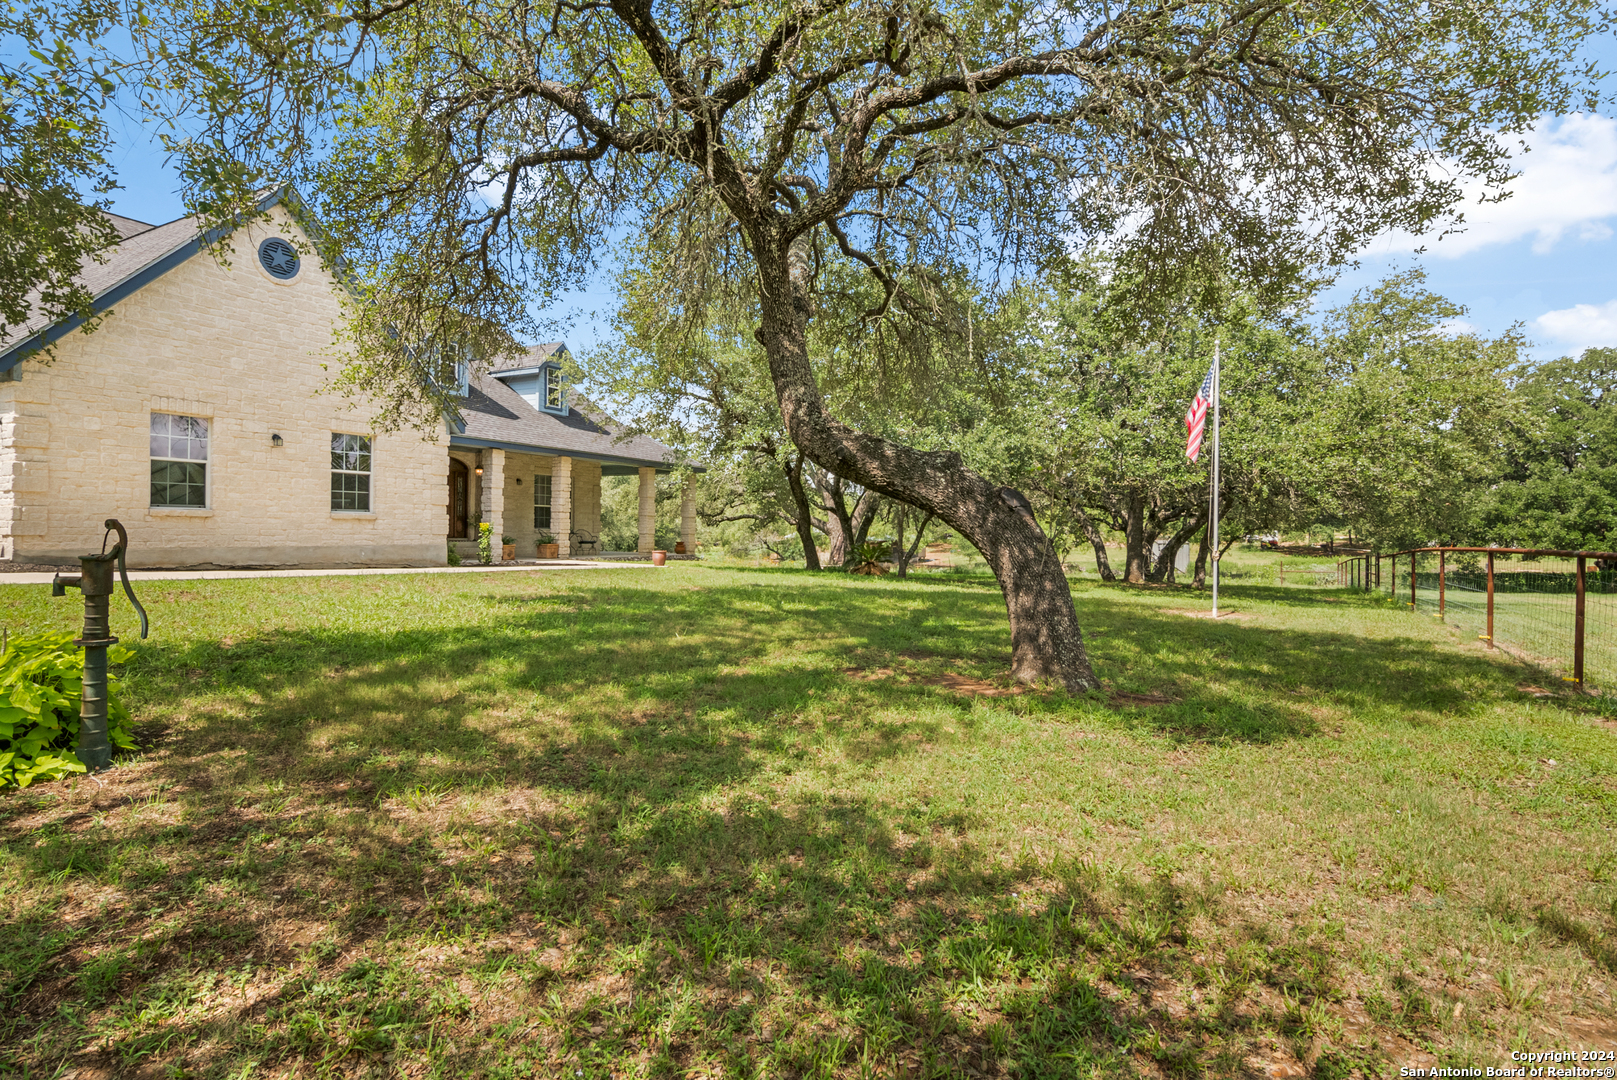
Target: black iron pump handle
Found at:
x=113, y=525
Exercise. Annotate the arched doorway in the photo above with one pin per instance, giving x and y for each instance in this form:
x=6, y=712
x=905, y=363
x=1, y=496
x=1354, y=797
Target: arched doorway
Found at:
x=460, y=492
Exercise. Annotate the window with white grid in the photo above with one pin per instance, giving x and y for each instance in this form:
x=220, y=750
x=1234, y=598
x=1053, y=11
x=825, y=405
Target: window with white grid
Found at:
x=350, y=473
x=179, y=452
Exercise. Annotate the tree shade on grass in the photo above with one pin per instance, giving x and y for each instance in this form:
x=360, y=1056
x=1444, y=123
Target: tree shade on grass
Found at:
x=744, y=822
x=470, y=159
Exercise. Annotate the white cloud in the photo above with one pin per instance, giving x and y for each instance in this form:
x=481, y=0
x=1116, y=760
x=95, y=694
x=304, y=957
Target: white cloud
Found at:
x=1581, y=326
x=1568, y=185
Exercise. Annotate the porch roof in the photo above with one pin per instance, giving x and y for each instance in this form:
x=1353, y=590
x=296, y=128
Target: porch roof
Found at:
x=495, y=416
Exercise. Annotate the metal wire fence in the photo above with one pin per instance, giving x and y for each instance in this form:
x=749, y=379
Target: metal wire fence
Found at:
x=1556, y=609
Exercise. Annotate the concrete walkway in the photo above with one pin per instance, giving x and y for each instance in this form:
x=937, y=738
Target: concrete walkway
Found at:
x=226, y=575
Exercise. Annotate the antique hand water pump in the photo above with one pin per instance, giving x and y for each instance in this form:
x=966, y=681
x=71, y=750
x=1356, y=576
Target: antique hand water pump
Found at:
x=96, y=583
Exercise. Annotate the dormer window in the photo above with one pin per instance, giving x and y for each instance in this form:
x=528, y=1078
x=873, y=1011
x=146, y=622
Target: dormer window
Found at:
x=554, y=392
x=463, y=377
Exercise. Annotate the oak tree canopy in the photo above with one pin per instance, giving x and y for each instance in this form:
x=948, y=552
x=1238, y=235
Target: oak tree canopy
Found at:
x=470, y=158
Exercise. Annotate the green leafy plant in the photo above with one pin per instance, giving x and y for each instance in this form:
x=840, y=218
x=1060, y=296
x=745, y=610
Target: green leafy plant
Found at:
x=454, y=556
x=485, y=538
x=870, y=559
x=545, y=537
x=41, y=686
x=508, y=539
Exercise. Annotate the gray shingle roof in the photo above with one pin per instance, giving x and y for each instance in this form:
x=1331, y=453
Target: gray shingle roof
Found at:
x=126, y=226
x=496, y=414
x=132, y=256
x=537, y=355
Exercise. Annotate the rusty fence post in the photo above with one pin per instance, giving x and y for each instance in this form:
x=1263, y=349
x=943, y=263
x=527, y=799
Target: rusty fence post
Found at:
x=1442, y=571
x=1577, y=628
x=1490, y=599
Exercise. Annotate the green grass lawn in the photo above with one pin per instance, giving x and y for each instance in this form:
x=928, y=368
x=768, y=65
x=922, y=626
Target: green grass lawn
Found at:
x=718, y=822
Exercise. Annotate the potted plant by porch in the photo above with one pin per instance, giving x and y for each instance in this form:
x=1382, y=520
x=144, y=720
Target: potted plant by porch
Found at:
x=508, y=548
x=547, y=546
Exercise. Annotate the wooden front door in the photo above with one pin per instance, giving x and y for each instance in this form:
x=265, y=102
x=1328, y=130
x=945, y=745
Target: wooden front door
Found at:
x=460, y=488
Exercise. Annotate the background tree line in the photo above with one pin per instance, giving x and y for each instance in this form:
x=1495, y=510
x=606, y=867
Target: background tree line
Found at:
x=1378, y=419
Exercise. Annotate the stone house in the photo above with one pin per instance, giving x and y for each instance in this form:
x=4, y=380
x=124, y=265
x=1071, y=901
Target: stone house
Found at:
x=196, y=414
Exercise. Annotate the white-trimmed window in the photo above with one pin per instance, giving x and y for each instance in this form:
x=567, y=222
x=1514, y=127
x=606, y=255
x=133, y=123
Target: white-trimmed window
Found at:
x=350, y=473
x=541, y=502
x=555, y=398
x=179, y=450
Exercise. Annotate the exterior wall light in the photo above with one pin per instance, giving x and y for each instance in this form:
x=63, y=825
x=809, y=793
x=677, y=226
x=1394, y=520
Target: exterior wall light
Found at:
x=276, y=440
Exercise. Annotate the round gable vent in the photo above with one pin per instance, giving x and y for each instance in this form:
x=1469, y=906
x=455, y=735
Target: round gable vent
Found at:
x=278, y=258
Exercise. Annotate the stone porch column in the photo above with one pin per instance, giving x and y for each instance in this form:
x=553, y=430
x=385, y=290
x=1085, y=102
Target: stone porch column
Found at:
x=561, y=505
x=648, y=511
x=687, y=515
x=493, y=492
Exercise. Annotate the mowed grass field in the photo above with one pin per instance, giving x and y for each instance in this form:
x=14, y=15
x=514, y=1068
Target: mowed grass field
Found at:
x=704, y=822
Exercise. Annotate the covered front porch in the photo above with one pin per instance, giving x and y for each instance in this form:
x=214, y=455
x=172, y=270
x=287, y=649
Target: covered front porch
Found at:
x=526, y=495
x=530, y=460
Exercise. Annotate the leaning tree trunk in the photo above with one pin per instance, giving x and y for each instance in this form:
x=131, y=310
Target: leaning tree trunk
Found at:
x=839, y=527
x=864, y=516
x=1046, y=642
x=1200, y=581
x=1097, y=540
x=805, y=526
x=1162, y=570
x=907, y=557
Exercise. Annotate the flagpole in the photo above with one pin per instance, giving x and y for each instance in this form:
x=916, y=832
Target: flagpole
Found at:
x=1215, y=478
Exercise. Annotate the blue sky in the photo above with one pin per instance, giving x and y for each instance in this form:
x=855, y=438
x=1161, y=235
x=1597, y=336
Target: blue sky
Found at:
x=1545, y=258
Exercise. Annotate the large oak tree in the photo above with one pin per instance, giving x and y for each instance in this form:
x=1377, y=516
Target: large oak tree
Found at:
x=469, y=156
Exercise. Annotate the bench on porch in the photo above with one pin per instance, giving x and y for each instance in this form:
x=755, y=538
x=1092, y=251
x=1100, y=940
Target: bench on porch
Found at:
x=583, y=541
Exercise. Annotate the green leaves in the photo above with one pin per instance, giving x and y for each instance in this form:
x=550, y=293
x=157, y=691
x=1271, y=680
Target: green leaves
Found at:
x=53, y=143
x=1559, y=487
x=1415, y=415
x=41, y=689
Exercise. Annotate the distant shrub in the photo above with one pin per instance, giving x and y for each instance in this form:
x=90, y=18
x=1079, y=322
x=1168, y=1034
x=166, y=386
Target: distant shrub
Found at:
x=41, y=686
x=870, y=559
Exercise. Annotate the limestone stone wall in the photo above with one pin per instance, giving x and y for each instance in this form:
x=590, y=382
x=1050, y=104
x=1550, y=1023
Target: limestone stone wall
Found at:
x=587, y=497
x=243, y=351
x=520, y=469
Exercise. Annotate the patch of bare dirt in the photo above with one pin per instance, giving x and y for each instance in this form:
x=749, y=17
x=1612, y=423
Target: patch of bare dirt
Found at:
x=1226, y=614
x=1123, y=698
x=868, y=675
x=966, y=684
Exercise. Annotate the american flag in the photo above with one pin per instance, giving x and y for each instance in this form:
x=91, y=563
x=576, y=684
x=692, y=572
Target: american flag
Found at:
x=1196, y=418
